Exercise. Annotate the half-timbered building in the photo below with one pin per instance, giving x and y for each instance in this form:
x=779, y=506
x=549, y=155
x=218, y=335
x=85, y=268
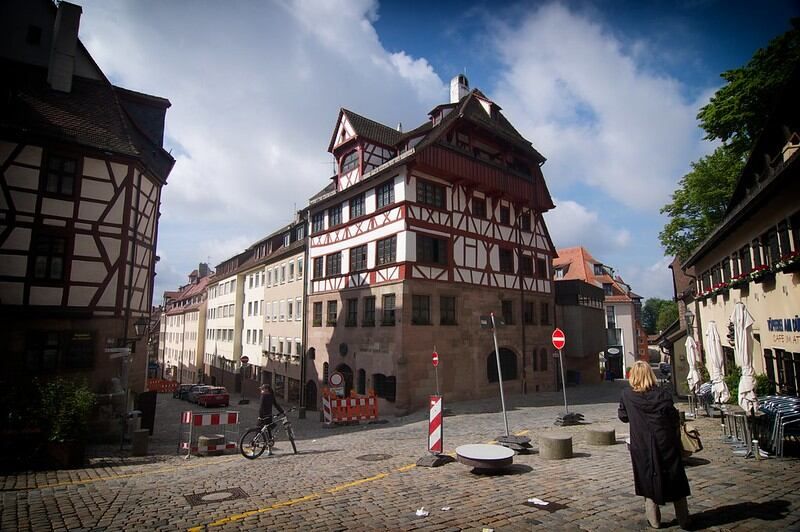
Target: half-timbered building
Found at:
x=417, y=236
x=81, y=171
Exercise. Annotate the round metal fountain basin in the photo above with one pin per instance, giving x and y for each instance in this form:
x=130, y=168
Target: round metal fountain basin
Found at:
x=483, y=456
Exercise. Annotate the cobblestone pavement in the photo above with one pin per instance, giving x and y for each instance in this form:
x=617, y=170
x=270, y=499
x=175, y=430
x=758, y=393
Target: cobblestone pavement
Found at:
x=330, y=485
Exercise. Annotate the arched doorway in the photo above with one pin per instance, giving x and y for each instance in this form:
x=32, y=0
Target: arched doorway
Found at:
x=345, y=370
x=508, y=365
x=361, y=385
x=311, y=395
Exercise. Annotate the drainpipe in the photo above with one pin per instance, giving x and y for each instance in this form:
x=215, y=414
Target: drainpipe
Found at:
x=304, y=334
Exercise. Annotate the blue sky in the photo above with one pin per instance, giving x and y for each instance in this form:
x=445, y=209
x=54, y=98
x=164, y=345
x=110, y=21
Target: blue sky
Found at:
x=607, y=91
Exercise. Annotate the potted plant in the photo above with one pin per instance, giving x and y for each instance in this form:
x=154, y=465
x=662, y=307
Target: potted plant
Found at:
x=789, y=262
x=65, y=408
x=761, y=273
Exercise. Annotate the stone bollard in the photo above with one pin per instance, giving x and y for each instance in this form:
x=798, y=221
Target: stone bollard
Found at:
x=555, y=446
x=205, y=441
x=139, y=441
x=601, y=436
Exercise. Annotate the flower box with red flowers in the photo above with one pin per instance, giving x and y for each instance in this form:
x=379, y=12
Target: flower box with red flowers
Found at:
x=740, y=280
x=789, y=263
x=719, y=288
x=761, y=273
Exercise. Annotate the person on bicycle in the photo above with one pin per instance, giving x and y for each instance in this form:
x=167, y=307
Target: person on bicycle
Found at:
x=265, y=409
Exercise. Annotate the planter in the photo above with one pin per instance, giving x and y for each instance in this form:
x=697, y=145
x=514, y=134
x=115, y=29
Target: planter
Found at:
x=791, y=268
x=66, y=454
x=765, y=277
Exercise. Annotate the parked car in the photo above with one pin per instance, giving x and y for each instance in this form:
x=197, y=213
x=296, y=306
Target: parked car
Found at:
x=182, y=391
x=195, y=391
x=217, y=396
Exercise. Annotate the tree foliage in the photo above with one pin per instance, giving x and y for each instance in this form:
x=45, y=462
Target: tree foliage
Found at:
x=735, y=115
x=658, y=314
x=738, y=111
x=699, y=203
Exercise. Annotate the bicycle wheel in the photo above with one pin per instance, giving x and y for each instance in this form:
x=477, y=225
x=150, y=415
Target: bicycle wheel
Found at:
x=290, y=433
x=252, y=444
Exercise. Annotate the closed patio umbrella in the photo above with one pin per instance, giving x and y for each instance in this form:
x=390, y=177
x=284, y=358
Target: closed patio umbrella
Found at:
x=743, y=352
x=715, y=364
x=694, y=379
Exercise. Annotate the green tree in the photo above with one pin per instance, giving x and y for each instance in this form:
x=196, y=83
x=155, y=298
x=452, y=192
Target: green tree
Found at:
x=650, y=311
x=699, y=203
x=738, y=111
x=735, y=115
x=667, y=313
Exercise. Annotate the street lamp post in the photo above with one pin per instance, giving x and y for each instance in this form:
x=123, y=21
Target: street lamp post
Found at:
x=128, y=350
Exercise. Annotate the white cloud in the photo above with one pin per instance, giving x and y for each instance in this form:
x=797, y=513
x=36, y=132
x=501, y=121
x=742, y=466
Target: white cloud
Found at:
x=600, y=118
x=572, y=224
x=255, y=90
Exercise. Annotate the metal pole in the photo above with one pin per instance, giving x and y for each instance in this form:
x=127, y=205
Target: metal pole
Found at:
x=499, y=372
x=563, y=381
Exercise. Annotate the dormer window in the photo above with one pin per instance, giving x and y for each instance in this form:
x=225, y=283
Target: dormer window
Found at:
x=349, y=162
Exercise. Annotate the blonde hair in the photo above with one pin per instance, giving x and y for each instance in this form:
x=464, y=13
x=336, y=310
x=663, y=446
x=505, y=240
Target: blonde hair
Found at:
x=642, y=377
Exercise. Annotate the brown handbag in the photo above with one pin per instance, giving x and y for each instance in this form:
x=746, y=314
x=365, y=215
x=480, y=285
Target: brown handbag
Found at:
x=690, y=440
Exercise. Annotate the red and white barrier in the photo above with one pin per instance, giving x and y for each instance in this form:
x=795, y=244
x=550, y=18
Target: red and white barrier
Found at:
x=435, y=440
x=191, y=428
x=347, y=409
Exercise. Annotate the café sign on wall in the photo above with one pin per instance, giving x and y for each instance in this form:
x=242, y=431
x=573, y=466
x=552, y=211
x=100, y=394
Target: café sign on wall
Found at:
x=785, y=331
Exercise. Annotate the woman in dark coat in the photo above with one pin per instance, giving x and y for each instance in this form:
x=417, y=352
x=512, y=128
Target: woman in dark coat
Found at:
x=658, y=472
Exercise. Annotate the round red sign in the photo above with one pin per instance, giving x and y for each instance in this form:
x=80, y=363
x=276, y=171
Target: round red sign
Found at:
x=559, y=339
x=435, y=359
x=245, y=359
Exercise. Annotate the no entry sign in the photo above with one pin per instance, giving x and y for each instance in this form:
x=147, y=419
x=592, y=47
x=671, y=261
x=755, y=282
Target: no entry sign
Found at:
x=559, y=339
x=245, y=359
x=435, y=358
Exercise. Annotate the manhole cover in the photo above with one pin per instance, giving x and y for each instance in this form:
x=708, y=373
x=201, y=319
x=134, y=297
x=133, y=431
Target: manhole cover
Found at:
x=373, y=457
x=216, y=496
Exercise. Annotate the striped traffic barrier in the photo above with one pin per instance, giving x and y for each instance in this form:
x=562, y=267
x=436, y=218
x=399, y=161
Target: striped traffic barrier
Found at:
x=348, y=409
x=193, y=423
x=435, y=440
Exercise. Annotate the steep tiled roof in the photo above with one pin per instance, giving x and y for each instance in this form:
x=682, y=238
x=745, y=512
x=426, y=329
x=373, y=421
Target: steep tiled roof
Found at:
x=90, y=115
x=578, y=263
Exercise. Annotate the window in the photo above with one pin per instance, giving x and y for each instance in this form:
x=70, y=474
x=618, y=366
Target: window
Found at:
x=769, y=241
x=318, y=268
x=283, y=273
x=298, y=309
x=447, y=310
x=358, y=258
x=479, y=207
x=543, y=356
x=317, y=318
x=248, y=336
x=421, y=310
x=608, y=289
x=350, y=162
x=387, y=250
x=352, y=312
x=261, y=337
x=317, y=222
x=357, y=206
x=525, y=221
x=369, y=312
x=299, y=267
x=335, y=215
x=388, y=310
x=508, y=365
x=42, y=351
x=331, y=318
x=289, y=309
x=430, y=194
x=505, y=215
x=545, y=313
x=508, y=311
x=291, y=270
x=735, y=264
x=431, y=250
x=333, y=264
x=528, y=312
x=49, y=257
x=506, y=260
x=385, y=387
x=599, y=270
x=250, y=279
x=526, y=265
x=746, y=258
x=611, y=319
x=384, y=194
x=60, y=175
x=541, y=268
x=250, y=308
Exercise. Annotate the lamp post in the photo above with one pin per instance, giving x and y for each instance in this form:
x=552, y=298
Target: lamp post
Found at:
x=128, y=350
x=689, y=315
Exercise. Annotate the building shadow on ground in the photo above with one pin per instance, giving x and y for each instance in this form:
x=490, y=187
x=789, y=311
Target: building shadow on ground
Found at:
x=732, y=513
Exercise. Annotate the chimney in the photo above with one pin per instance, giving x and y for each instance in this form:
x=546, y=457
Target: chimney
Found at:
x=400, y=127
x=202, y=270
x=459, y=87
x=65, y=41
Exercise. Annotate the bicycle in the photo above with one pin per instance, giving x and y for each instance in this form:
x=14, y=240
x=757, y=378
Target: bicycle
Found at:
x=256, y=440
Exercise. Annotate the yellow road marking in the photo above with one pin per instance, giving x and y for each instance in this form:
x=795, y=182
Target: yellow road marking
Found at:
x=117, y=477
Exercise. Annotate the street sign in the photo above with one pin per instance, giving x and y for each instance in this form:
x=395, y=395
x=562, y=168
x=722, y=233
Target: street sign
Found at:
x=336, y=382
x=435, y=359
x=559, y=339
x=244, y=360
x=486, y=321
x=117, y=352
